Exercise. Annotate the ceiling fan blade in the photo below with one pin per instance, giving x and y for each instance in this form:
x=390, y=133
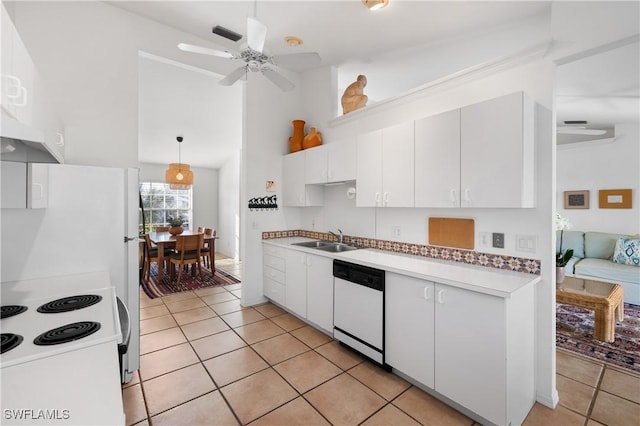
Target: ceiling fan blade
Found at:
x=304, y=59
x=579, y=131
x=278, y=79
x=256, y=34
x=234, y=76
x=205, y=51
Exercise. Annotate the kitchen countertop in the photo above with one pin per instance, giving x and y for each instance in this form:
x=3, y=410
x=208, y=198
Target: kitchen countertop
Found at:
x=495, y=282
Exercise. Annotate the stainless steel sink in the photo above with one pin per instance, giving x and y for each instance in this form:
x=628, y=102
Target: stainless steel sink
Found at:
x=313, y=244
x=326, y=246
x=337, y=248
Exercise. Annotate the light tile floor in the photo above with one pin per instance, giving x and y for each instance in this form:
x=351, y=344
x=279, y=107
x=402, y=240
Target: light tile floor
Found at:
x=206, y=360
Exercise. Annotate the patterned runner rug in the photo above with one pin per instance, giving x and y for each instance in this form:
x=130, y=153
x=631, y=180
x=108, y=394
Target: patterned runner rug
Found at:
x=574, y=332
x=166, y=286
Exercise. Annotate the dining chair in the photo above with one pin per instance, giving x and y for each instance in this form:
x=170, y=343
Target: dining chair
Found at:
x=152, y=256
x=205, y=251
x=187, y=252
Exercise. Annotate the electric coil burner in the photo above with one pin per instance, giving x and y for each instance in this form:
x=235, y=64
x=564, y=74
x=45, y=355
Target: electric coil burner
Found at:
x=71, y=303
x=11, y=310
x=67, y=333
x=9, y=341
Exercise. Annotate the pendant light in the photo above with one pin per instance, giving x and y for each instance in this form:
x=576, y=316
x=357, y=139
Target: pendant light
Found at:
x=179, y=175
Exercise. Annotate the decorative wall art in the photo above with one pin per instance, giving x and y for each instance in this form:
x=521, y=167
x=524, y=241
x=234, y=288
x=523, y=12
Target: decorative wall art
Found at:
x=614, y=198
x=576, y=199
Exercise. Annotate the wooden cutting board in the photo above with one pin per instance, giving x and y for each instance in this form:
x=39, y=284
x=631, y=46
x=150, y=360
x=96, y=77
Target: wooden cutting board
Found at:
x=451, y=232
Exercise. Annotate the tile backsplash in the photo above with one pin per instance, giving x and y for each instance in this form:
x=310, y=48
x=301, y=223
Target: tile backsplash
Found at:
x=490, y=260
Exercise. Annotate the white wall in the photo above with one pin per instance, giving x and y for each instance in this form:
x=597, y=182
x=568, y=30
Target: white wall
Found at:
x=205, y=191
x=592, y=166
x=267, y=123
x=229, y=207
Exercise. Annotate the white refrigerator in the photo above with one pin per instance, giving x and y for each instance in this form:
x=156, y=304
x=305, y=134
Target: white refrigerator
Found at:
x=88, y=222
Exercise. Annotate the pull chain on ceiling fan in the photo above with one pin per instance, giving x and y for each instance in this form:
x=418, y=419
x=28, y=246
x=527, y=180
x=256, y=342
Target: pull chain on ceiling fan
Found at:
x=256, y=58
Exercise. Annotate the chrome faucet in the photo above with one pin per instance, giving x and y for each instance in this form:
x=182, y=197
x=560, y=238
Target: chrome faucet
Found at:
x=339, y=237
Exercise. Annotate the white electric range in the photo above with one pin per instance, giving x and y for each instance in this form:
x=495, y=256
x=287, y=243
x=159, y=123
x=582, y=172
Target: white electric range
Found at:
x=64, y=367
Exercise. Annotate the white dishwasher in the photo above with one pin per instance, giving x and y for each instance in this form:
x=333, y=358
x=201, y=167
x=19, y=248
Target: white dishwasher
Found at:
x=359, y=308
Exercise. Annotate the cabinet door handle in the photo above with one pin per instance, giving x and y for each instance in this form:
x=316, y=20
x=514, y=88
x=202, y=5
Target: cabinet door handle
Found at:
x=23, y=96
x=386, y=198
x=441, y=296
x=426, y=293
x=467, y=195
x=13, y=86
x=453, y=197
x=377, y=198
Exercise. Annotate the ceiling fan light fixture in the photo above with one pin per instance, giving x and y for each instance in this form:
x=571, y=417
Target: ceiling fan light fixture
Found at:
x=375, y=4
x=179, y=175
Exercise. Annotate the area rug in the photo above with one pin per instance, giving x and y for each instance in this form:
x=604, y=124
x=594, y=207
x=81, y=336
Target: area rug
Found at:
x=166, y=286
x=574, y=332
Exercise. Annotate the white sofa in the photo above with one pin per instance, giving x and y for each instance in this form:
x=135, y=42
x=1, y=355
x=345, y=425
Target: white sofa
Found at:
x=593, y=257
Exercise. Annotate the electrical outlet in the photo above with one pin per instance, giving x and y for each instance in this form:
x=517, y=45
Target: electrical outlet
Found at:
x=396, y=231
x=485, y=237
x=498, y=240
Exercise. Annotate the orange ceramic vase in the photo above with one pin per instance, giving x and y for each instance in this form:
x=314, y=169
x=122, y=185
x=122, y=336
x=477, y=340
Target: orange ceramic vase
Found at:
x=312, y=139
x=295, y=141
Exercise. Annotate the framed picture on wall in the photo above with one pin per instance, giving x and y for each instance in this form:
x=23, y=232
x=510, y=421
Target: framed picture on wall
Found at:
x=576, y=199
x=614, y=198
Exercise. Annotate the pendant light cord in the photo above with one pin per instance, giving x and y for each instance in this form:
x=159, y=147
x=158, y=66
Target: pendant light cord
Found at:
x=179, y=138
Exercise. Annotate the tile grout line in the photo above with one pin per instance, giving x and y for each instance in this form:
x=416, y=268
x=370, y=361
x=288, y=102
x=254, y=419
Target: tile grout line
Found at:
x=595, y=395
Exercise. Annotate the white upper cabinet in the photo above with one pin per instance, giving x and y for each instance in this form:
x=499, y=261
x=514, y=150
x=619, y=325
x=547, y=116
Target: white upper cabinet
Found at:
x=315, y=165
x=497, y=155
x=369, y=170
x=295, y=193
x=17, y=73
x=24, y=185
x=341, y=160
x=333, y=162
x=481, y=155
x=385, y=167
x=437, y=160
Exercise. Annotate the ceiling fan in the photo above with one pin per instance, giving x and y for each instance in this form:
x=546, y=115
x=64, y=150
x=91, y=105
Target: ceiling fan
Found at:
x=256, y=58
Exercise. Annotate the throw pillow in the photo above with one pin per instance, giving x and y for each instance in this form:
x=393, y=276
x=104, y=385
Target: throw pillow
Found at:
x=627, y=252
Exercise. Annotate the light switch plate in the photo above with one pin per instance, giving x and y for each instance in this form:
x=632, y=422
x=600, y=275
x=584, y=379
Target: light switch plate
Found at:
x=526, y=243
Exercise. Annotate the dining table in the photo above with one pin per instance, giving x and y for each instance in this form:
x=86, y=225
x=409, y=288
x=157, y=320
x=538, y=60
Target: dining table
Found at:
x=165, y=239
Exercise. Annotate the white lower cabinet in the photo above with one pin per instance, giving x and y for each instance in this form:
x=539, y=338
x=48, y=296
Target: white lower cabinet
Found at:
x=300, y=282
x=320, y=291
x=409, y=326
x=296, y=282
x=473, y=348
x=273, y=268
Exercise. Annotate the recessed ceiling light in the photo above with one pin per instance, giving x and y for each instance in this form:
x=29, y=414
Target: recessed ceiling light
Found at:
x=293, y=40
x=375, y=4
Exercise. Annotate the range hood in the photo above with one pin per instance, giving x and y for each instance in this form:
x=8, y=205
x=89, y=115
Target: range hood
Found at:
x=25, y=144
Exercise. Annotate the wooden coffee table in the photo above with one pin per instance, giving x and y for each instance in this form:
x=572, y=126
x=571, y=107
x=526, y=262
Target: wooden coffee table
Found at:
x=605, y=299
